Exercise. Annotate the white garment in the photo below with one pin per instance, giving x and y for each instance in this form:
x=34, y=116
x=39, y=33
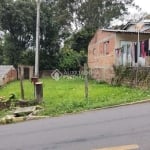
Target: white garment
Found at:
x=149, y=44
x=141, y=61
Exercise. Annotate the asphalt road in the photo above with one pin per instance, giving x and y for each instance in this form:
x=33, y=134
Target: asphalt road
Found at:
x=86, y=131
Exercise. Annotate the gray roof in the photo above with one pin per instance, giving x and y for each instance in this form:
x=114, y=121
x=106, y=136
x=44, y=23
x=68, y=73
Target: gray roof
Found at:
x=128, y=24
x=124, y=31
x=4, y=69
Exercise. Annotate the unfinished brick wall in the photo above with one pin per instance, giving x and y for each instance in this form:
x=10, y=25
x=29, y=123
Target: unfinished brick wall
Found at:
x=101, y=56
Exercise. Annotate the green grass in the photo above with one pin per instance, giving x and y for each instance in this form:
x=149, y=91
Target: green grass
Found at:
x=67, y=96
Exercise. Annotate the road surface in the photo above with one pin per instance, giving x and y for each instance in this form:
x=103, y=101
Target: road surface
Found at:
x=126, y=125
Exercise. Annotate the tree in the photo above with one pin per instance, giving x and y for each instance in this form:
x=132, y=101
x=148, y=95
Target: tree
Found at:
x=55, y=27
x=17, y=21
x=70, y=59
x=79, y=41
x=98, y=13
x=1, y=54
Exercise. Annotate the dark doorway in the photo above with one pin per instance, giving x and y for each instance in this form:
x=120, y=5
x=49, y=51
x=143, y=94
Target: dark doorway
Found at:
x=26, y=73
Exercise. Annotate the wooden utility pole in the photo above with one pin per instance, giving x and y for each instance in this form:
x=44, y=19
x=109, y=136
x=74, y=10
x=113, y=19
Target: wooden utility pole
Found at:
x=37, y=39
x=86, y=80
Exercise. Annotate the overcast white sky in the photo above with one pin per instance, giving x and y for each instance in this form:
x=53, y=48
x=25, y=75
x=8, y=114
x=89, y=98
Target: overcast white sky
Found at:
x=144, y=4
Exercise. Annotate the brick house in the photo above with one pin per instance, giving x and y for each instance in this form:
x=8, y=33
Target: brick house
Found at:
x=7, y=74
x=117, y=47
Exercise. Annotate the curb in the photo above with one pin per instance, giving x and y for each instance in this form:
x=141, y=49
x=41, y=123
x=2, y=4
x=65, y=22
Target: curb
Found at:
x=127, y=104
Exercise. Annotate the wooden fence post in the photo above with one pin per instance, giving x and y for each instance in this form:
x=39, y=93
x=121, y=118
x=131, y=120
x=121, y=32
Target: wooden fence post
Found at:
x=86, y=80
x=21, y=83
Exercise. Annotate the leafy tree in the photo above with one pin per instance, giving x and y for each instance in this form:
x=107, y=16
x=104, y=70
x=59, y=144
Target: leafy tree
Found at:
x=1, y=54
x=98, y=13
x=10, y=53
x=27, y=57
x=17, y=20
x=79, y=41
x=70, y=59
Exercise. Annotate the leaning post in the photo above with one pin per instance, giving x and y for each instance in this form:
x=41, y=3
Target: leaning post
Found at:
x=86, y=80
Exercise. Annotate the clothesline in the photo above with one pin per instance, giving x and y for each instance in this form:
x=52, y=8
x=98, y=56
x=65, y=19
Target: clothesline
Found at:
x=128, y=53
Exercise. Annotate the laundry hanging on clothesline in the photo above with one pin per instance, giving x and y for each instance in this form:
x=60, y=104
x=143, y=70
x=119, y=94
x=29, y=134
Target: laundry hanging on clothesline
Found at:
x=128, y=53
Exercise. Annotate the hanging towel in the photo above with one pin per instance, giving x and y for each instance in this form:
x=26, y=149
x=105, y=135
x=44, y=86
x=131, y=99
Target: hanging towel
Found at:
x=140, y=49
x=146, y=47
x=143, y=53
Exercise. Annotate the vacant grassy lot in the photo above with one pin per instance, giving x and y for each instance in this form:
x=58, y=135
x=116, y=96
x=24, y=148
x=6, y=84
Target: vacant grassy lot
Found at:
x=67, y=95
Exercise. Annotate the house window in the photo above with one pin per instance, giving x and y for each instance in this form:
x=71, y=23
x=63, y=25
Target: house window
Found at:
x=106, y=48
x=94, y=51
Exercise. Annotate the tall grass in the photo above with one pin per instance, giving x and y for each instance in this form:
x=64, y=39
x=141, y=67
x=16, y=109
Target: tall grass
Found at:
x=67, y=95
